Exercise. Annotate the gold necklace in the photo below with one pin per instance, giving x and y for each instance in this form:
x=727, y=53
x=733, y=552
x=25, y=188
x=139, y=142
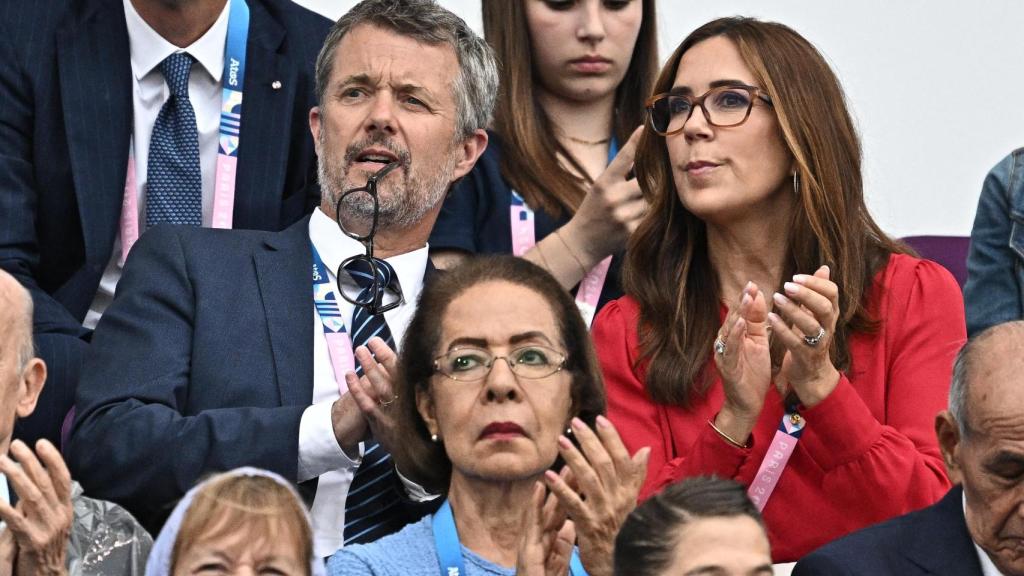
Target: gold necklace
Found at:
x=588, y=142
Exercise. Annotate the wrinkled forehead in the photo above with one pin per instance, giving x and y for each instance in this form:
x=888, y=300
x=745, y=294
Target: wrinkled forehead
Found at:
x=995, y=392
x=387, y=58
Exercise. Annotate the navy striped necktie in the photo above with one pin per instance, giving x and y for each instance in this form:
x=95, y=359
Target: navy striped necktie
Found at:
x=174, y=185
x=372, y=507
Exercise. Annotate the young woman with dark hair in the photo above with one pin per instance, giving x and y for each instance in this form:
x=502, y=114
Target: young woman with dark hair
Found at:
x=574, y=77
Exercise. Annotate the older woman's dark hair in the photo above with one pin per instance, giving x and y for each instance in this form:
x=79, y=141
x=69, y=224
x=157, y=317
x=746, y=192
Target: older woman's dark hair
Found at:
x=667, y=267
x=425, y=461
x=647, y=541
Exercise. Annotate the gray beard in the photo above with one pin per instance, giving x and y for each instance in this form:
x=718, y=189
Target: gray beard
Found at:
x=402, y=204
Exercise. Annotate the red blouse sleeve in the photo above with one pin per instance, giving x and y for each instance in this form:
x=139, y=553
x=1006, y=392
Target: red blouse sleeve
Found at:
x=640, y=421
x=894, y=461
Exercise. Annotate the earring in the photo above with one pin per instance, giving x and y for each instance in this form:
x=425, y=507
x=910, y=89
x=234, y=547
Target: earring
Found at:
x=568, y=431
x=433, y=438
x=796, y=183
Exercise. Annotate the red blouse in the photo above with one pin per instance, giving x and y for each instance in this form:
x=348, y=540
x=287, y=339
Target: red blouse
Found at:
x=868, y=452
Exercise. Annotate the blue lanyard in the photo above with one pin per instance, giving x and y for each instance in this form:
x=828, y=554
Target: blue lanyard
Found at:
x=449, y=548
x=613, y=149
x=233, y=78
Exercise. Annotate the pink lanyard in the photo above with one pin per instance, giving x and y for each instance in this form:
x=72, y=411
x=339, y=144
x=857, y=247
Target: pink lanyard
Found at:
x=775, y=460
x=524, y=237
x=223, y=200
x=339, y=344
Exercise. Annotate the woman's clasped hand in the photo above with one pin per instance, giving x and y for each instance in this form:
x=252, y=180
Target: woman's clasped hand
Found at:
x=797, y=332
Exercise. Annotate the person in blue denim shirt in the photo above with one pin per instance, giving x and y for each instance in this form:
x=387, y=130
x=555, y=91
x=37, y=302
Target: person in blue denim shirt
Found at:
x=995, y=264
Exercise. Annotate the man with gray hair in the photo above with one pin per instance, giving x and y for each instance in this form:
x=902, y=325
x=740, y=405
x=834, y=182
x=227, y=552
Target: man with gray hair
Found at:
x=977, y=529
x=52, y=530
x=225, y=349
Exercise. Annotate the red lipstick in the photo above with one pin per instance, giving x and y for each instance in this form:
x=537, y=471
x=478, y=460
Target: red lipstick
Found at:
x=502, y=430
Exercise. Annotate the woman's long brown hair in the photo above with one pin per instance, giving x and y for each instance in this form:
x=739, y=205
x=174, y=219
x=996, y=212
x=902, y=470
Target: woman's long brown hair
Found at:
x=530, y=151
x=667, y=268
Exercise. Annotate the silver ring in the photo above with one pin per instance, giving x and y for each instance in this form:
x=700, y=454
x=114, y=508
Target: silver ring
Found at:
x=813, y=340
x=384, y=404
x=720, y=346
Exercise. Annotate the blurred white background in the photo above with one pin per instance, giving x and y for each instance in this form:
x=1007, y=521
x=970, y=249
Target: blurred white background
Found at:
x=936, y=86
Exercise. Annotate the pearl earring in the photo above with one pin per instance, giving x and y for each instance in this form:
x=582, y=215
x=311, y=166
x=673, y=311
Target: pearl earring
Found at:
x=433, y=438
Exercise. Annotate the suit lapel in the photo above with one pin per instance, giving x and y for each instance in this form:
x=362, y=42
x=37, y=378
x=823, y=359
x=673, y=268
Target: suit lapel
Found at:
x=283, y=273
x=939, y=541
x=271, y=80
x=96, y=92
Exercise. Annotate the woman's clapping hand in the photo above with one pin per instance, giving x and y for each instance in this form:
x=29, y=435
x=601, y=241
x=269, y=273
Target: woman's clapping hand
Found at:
x=743, y=358
x=804, y=322
x=598, y=489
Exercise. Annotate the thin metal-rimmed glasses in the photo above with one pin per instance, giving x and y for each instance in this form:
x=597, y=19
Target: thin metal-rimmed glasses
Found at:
x=373, y=298
x=471, y=364
x=723, y=106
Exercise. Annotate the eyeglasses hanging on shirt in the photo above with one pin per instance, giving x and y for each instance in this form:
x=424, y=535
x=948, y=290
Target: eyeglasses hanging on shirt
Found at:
x=378, y=291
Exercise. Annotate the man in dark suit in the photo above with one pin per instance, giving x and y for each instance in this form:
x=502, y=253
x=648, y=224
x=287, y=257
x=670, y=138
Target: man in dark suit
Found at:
x=977, y=529
x=83, y=90
x=222, y=349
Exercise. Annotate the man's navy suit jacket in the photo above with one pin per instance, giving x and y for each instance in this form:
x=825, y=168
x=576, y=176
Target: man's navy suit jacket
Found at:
x=933, y=541
x=65, y=127
x=203, y=363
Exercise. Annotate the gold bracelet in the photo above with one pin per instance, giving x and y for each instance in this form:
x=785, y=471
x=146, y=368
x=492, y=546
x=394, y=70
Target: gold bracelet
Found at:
x=726, y=437
x=542, y=258
x=583, y=269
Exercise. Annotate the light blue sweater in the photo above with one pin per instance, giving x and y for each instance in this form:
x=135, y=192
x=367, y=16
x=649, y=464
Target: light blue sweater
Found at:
x=409, y=552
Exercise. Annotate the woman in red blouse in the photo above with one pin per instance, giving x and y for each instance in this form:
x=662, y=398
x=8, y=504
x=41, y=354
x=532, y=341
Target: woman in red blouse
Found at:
x=762, y=295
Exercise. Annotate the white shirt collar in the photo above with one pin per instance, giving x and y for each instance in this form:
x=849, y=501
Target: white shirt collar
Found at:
x=988, y=568
x=334, y=246
x=148, y=48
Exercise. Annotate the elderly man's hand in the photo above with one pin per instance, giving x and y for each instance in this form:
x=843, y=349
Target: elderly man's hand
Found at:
x=374, y=392
x=40, y=524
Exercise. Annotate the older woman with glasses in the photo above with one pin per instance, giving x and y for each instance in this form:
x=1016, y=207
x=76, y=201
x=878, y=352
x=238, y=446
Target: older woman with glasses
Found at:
x=772, y=333
x=499, y=378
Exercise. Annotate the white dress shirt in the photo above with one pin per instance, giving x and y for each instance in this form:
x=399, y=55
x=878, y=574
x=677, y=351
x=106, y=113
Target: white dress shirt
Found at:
x=149, y=92
x=319, y=453
x=988, y=568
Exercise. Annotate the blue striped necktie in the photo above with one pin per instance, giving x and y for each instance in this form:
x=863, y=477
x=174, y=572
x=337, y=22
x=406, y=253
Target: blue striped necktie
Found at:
x=372, y=507
x=174, y=185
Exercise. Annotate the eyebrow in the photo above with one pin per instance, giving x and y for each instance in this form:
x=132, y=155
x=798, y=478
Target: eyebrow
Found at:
x=703, y=570
x=711, y=570
x=515, y=339
x=365, y=79
x=362, y=78
x=687, y=91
